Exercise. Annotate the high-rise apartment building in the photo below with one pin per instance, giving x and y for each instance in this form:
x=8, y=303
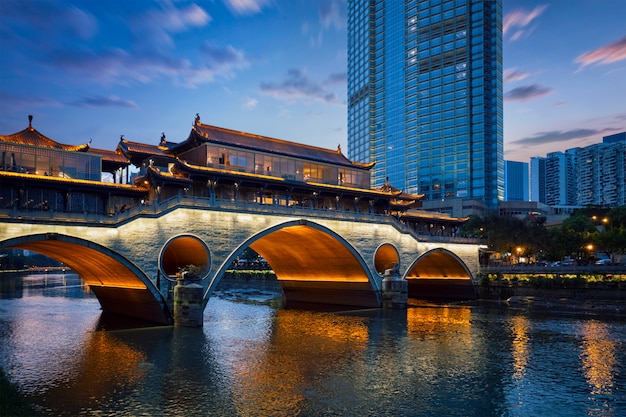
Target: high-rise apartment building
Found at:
x=537, y=179
x=516, y=181
x=593, y=175
x=600, y=172
x=425, y=95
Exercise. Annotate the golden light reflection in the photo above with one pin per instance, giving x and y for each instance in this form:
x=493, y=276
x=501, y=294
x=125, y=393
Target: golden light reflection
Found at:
x=598, y=357
x=520, y=349
x=106, y=365
x=268, y=381
x=421, y=321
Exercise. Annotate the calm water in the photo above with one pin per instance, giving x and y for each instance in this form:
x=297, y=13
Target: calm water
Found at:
x=254, y=359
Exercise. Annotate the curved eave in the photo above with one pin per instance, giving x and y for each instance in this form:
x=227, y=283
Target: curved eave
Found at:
x=70, y=181
x=31, y=137
x=163, y=176
x=137, y=152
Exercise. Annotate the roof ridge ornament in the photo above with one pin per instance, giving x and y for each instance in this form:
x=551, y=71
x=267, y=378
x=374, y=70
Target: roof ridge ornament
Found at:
x=197, y=121
x=30, y=121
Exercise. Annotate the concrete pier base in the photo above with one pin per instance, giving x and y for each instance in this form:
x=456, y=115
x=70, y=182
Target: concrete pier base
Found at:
x=188, y=311
x=395, y=290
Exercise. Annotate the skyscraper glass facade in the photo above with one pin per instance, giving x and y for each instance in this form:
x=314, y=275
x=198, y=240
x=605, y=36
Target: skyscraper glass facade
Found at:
x=425, y=95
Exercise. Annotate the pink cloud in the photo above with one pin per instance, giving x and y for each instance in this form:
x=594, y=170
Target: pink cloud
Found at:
x=519, y=19
x=512, y=74
x=613, y=52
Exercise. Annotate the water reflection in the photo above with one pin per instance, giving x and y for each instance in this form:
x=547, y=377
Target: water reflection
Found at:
x=599, y=364
x=258, y=360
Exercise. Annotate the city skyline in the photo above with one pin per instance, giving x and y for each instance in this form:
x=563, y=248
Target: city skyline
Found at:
x=90, y=71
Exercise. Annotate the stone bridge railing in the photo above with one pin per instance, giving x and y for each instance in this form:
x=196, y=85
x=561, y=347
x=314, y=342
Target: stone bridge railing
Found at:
x=205, y=203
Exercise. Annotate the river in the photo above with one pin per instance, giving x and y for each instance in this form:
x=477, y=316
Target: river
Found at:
x=254, y=358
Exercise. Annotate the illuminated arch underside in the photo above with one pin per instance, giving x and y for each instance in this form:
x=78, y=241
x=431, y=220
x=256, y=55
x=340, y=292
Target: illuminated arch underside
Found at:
x=439, y=274
x=315, y=267
x=117, y=288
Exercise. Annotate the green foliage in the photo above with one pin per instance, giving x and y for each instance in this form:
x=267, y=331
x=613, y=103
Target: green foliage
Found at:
x=193, y=272
x=603, y=228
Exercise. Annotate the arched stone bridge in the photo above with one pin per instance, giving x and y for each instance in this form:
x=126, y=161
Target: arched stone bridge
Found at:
x=318, y=257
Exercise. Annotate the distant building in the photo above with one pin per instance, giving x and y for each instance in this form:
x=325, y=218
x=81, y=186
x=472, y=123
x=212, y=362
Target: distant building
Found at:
x=537, y=179
x=593, y=175
x=425, y=96
x=600, y=172
x=516, y=181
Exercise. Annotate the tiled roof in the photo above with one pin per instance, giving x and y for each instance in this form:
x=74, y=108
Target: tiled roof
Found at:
x=110, y=156
x=142, y=148
x=30, y=136
x=206, y=133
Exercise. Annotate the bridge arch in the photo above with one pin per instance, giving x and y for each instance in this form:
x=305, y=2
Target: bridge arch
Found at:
x=385, y=257
x=184, y=250
x=120, y=286
x=313, y=264
x=440, y=274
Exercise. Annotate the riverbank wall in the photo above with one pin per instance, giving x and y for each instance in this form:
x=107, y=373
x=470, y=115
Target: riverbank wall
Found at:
x=576, y=294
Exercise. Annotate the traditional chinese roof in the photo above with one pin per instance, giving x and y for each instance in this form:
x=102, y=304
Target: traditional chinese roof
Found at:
x=137, y=152
x=30, y=136
x=111, y=160
x=152, y=172
x=401, y=200
x=202, y=133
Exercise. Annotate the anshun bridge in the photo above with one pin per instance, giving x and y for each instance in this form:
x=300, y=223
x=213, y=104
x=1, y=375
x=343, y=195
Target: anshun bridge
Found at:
x=198, y=204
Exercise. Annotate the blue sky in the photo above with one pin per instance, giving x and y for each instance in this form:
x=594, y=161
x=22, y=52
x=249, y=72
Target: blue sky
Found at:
x=95, y=70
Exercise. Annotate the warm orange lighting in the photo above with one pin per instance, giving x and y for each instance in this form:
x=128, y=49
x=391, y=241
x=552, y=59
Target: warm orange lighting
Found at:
x=439, y=265
x=305, y=253
x=605, y=220
x=599, y=357
x=520, y=346
x=386, y=256
x=590, y=247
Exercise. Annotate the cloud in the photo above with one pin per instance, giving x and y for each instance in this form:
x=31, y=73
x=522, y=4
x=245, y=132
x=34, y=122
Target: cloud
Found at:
x=527, y=92
x=246, y=7
x=250, y=103
x=559, y=136
x=155, y=27
x=513, y=74
x=607, y=54
x=297, y=86
x=519, y=20
x=41, y=22
x=117, y=66
x=106, y=101
x=20, y=102
x=330, y=15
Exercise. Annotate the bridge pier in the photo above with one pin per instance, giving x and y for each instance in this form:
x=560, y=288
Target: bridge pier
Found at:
x=395, y=290
x=188, y=308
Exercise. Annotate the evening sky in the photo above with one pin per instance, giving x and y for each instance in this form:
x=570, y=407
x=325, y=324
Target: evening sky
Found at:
x=96, y=70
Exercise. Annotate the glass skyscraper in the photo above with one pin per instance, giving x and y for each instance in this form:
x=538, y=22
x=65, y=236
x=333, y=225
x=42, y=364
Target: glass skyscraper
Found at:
x=425, y=95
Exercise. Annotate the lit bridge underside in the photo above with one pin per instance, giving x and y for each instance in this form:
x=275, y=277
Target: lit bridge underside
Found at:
x=115, y=282
x=439, y=274
x=313, y=266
